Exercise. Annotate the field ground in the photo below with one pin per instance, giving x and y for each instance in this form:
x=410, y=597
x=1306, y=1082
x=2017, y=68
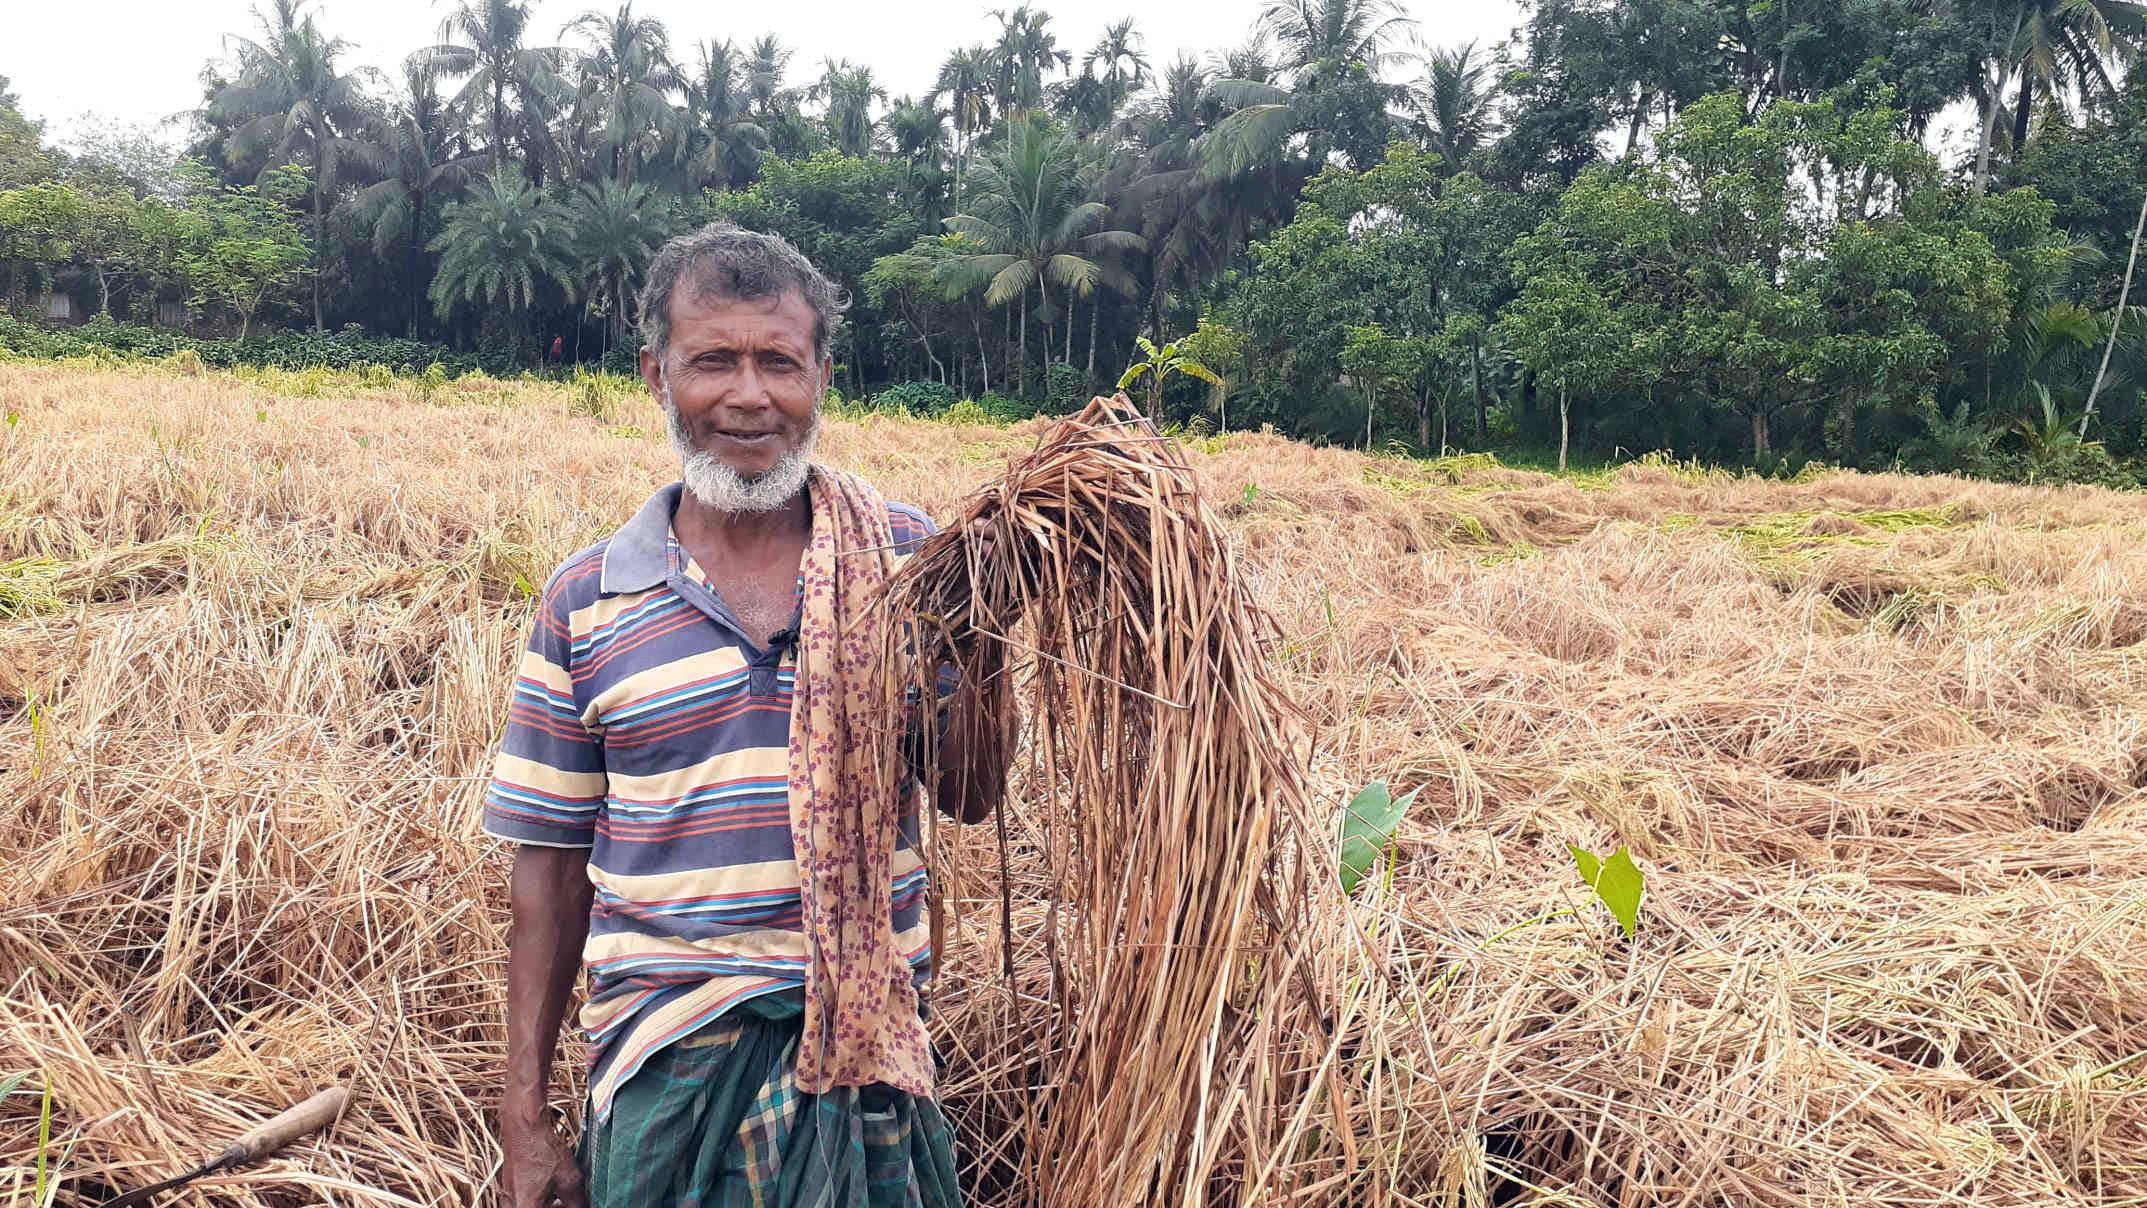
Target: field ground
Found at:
x=1878, y=743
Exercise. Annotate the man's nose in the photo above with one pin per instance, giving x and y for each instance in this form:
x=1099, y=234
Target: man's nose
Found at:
x=750, y=388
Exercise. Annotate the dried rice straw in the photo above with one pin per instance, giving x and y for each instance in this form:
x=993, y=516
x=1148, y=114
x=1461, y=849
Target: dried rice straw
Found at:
x=1182, y=1028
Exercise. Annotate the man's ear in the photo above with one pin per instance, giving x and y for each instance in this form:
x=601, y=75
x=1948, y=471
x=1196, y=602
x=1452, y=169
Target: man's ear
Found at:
x=652, y=373
x=827, y=373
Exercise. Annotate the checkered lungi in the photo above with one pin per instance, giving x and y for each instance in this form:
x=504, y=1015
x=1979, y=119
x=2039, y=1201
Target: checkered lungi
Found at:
x=716, y=1121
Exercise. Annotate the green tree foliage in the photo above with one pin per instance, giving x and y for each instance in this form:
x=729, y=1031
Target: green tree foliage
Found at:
x=23, y=157
x=247, y=249
x=1404, y=248
x=1711, y=226
x=1809, y=261
x=844, y=214
x=616, y=229
x=500, y=246
x=421, y=167
x=293, y=104
x=1032, y=230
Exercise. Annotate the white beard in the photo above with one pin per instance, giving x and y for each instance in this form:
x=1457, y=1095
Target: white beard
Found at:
x=723, y=489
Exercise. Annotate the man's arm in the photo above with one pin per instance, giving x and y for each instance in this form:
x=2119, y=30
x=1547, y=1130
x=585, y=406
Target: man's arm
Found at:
x=973, y=753
x=549, y=895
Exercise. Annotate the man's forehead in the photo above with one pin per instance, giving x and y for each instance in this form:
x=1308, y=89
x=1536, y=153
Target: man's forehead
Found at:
x=710, y=317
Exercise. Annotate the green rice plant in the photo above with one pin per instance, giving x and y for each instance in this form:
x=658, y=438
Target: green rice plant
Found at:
x=1467, y=529
x=1393, y=484
x=29, y=586
x=185, y=362
x=969, y=411
x=1453, y=467
x=1519, y=551
x=587, y=397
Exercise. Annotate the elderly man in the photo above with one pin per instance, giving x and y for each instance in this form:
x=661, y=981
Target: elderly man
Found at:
x=686, y=775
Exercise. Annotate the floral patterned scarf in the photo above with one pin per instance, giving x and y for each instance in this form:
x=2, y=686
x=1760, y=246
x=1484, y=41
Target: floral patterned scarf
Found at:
x=861, y=1015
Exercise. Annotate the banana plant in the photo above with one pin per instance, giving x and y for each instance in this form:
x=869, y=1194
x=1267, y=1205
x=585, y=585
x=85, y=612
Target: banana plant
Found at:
x=1161, y=363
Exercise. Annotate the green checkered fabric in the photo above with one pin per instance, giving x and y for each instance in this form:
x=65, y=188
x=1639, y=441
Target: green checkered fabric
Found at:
x=716, y=1121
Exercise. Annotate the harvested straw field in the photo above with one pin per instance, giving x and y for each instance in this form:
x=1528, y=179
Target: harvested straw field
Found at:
x=1877, y=743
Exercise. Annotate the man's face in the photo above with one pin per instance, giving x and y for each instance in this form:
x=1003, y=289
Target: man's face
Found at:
x=742, y=375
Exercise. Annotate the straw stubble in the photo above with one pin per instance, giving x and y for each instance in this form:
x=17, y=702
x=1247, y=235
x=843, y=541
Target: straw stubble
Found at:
x=1875, y=740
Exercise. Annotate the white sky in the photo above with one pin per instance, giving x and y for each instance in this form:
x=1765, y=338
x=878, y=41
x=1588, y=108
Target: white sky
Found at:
x=139, y=60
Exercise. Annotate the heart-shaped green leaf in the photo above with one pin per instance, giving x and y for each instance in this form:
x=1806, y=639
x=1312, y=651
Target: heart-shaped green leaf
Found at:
x=1368, y=824
x=1618, y=882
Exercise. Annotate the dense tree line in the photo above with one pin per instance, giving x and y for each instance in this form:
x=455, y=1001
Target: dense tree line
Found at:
x=1709, y=226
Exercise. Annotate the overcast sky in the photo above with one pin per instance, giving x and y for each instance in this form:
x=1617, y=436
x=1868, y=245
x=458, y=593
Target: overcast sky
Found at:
x=138, y=60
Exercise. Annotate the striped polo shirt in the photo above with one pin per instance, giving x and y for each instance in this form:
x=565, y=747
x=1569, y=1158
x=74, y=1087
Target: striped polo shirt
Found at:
x=648, y=728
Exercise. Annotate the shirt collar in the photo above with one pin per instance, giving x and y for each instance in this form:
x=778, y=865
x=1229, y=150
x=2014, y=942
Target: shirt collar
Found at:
x=639, y=555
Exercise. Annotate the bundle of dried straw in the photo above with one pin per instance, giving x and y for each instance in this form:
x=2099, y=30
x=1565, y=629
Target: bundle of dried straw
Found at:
x=1179, y=1023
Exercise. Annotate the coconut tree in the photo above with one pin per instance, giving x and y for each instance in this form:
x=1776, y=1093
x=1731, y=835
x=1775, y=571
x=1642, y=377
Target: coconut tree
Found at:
x=627, y=79
x=614, y=230
x=1455, y=99
x=918, y=129
x=965, y=83
x=1118, y=61
x=497, y=247
x=1032, y=226
x=1195, y=224
x=723, y=143
x=517, y=88
x=848, y=91
x=2055, y=46
x=291, y=103
x=1329, y=54
x=420, y=166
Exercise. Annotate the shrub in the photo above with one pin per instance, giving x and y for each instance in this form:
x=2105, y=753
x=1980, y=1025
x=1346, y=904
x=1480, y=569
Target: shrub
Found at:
x=104, y=339
x=1064, y=383
x=920, y=398
x=1006, y=410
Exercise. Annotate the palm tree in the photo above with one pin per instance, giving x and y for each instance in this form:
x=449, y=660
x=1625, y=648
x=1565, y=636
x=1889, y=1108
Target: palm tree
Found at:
x=419, y=167
x=1330, y=53
x=724, y=142
x=627, y=80
x=965, y=83
x=616, y=228
x=849, y=92
x=775, y=105
x=2055, y=46
x=1024, y=53
x=1118, y=52
x=518, y=87
x=919, y=131
x=1196, y=225
x=1455, y=99
x=290, y=101
x=1030, y=225
x=497, y=246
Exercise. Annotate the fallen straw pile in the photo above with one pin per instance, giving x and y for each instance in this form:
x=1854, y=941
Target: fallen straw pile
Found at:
x=1177, y=1024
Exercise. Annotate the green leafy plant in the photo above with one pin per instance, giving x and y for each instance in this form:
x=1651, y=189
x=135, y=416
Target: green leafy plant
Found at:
x=1617, y=881
x=1368, y=825
x=1161, y=363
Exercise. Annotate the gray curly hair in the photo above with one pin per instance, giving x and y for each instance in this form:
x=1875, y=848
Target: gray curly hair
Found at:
x=723, y=260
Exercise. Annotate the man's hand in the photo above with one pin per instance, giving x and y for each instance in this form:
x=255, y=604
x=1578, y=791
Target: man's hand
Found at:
x=540, y=1170
x=549, y=895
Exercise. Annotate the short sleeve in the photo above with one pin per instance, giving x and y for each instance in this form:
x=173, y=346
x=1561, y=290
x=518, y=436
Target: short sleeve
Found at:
x=548, y=778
